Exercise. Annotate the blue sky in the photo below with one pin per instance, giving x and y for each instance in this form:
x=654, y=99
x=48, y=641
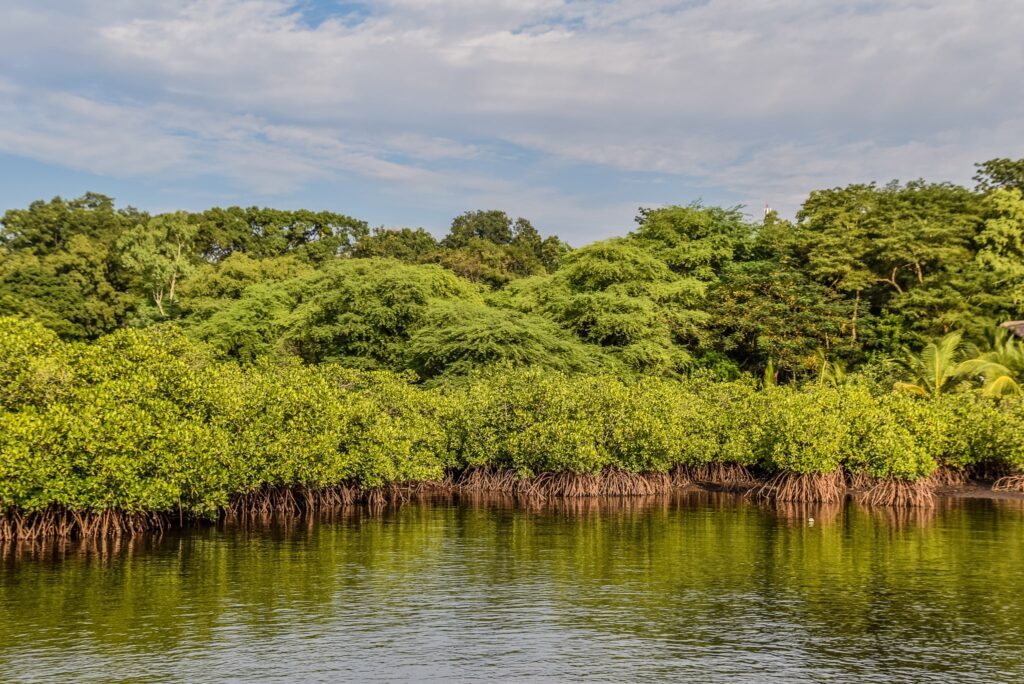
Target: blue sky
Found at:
x=573, y=114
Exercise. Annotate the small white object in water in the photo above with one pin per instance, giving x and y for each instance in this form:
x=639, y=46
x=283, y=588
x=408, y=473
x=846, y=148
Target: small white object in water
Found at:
x=811, y=521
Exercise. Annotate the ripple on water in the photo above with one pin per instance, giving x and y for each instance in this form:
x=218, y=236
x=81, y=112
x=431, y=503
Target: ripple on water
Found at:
x=705, y=587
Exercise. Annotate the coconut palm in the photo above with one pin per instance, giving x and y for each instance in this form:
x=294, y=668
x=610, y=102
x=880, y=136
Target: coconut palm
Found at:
x=1002, y=367
x=940, y=367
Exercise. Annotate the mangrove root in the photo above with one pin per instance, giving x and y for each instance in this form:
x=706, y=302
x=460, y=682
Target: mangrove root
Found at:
x=1010, y=483
x=54, y=523
x=803, y=487
x=900, y=493
x=722, y=475
x=609, y=482
x=948, y=476
x=860, y=480
x=288, y=502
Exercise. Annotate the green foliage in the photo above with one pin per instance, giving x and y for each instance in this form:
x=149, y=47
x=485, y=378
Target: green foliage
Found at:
x=1001, y=242
x=618, y=296
x=483, y=261
x=901, y=248
x=694, y=240
x=1002, y=366
x=362, y=312
x=59, y=263
x=456, y=337
x=313, y=236
x=1000, y=173
x=938, y=368
x=160, y=252
x=492, y=225
x=865, y=272
x=149, y=420
x=33, y=365
x=404, y=244
x=766, y=312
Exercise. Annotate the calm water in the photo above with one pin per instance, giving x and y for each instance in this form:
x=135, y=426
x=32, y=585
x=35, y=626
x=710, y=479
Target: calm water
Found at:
x=699, y=586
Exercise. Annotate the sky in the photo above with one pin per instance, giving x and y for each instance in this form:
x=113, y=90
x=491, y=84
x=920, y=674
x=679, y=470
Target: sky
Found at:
x=572, y=114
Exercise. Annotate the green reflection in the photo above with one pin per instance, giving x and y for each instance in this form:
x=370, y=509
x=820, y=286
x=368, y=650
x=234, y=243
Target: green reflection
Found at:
x=691, y=583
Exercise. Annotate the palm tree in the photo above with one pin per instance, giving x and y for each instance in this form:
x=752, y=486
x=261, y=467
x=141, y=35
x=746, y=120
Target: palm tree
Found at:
x=1002, y=367
x=939, y=367
x=830, y=372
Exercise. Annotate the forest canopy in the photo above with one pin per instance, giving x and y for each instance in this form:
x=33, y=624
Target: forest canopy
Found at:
x=864, y=274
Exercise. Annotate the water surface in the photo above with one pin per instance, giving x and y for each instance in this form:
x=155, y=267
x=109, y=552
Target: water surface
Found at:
x=696, y=586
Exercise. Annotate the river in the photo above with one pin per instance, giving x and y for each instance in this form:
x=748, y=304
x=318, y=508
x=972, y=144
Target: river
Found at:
x=701, y=586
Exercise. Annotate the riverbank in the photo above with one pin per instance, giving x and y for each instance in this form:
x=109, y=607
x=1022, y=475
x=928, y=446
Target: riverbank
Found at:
x=283, y=503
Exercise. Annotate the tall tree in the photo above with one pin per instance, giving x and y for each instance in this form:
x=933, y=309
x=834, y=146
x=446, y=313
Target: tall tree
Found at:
x=160, y=252
x=1000, y=173
x=59, y=263
x=491, y=225
x=1001, y=242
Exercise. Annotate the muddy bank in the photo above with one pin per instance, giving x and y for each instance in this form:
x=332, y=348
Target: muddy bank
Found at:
x=978, y=490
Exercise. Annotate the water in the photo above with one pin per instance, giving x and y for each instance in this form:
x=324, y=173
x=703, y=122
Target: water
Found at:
x=696, y=586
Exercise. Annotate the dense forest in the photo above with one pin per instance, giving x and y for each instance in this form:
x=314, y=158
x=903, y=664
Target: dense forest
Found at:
x=250, y=359
x=863, y=274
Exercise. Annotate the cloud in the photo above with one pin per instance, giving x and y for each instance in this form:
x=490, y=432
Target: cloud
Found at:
x=465, y=101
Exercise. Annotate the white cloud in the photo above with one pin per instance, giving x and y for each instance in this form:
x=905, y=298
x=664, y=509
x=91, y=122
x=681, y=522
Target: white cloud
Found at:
x=756, y=99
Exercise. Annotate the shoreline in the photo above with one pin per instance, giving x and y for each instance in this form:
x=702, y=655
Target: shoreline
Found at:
x=977, y=490
x=282, y=503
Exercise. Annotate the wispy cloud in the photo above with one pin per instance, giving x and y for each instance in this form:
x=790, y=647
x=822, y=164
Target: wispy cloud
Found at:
x=513, y=102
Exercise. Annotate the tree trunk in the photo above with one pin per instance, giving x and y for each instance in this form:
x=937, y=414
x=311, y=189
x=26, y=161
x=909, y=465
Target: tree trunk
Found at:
x=892, y=280
x=856, y=306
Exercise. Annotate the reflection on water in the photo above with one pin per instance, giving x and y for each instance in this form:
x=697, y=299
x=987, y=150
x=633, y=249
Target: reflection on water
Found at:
x=696, y=585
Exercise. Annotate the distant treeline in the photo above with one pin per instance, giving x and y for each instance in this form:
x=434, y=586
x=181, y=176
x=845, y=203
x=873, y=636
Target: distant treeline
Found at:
x=864, y=273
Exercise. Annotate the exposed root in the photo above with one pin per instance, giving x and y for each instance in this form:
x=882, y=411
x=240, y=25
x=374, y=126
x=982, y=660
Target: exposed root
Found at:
x=1010, y=483
x=483, y=479
x=55, y=523
x=948, y=476
x=681, y=476
x=722, y=475
x=860, y=480
x=282, y=503
x=803, y=487
x=900, y=493
x=609, y=482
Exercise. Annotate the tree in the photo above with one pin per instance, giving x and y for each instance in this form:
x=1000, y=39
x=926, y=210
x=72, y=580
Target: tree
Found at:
x=160, y=253
x=59, y=263
x=889, y=248
x=457, y=337
x=1001, y=241
x=1000, y=173
x=694, y=240
x=362, y=311
x=314, y=236
x=491, y=225
x=766, y=313
x=404, y=244
x=939, y=367
x=617, y=295
x=482, y=261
